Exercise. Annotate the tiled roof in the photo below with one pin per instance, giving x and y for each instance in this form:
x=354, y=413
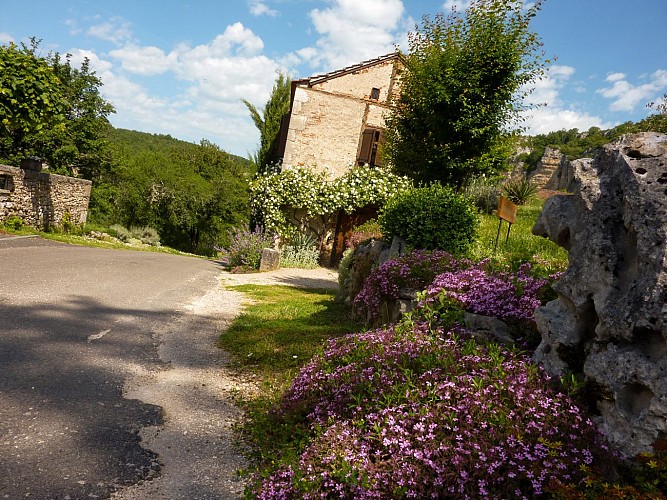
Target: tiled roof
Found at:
x=313, y=80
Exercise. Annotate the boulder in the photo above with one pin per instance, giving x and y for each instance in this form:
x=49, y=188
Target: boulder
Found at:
x=270, y=260
x=609, y=321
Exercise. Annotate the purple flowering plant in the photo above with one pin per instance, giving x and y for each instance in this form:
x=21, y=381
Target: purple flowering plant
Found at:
x=481, y=289
x=245, y=246
x=417, y=410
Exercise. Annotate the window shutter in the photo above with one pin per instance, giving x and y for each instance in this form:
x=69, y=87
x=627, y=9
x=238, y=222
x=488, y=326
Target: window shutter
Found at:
x=366, y=146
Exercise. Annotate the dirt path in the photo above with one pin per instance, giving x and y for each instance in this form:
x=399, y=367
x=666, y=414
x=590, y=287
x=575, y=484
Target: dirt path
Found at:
x=196, y=390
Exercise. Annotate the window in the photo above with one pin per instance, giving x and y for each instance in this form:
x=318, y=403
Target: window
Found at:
x=5, y=182
x=371, y=139
x=375, y=94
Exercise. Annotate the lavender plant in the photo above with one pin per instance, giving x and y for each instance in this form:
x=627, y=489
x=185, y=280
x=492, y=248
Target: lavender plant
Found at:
x=245, y=247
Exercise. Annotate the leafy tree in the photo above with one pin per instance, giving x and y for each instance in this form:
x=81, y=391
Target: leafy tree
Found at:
x=31, y=100
x=52, y=110
x=192, y=194
x=461, y=87
x=268, y=121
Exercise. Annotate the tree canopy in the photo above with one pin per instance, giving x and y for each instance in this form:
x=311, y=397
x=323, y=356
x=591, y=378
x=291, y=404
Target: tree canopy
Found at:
x=268, y=121
x=51, y=110
x=462, y=87
x=191, y=193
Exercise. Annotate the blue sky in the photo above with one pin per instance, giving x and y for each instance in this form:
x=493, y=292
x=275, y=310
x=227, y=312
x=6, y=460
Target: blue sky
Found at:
x=182, y=68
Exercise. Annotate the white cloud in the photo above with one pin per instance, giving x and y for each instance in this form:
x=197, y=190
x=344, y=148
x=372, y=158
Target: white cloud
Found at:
x=212, y=78
x=552, y=114
x=259, y=8
x=116, y=30
x=144, y=60
x=626, y=96
x=6, y=38
x=352, y=31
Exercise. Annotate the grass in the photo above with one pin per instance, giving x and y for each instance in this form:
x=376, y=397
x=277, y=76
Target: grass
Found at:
x=522, y=245
x=283, y=328
x=75, y=239
x=279, y=332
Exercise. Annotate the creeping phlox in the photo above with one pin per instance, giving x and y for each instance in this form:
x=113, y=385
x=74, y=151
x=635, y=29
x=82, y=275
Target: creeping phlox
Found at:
x=318, y=194
x=412, y=411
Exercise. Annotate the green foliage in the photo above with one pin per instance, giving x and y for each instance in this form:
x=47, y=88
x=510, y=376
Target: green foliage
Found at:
x=31, y=100
x=192, y=194
x=484, y=193
x=519, y=191
x=14, y=223
x=144, y=234
x=316, y=195
x=462, y=86
x=269, y=120
x=432, y=217
x=52, y=110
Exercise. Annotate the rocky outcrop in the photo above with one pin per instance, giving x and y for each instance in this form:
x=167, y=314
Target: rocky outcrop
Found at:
x=609, y=321
x=553, y=172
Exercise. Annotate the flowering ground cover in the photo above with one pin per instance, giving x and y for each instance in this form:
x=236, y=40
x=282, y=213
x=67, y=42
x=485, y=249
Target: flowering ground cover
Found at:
x=409, y=411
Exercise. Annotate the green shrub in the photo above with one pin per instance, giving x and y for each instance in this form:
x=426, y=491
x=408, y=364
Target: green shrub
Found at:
x=519, y=191
x=136, y=234
x=431, y=218
x=368, y=230
x=484, y=194
x=146, y=234
x=299, y=257
x=14, y=223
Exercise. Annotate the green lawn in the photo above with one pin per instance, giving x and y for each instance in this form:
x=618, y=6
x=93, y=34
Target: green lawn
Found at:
x=522, y=245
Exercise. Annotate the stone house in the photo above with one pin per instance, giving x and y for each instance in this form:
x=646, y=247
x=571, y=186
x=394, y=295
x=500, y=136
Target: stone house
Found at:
x=42, y=199
x=336, y=120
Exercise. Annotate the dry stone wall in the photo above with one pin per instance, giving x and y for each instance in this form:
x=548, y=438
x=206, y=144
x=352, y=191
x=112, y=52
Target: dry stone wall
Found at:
x=42, y=199
x=609, y=322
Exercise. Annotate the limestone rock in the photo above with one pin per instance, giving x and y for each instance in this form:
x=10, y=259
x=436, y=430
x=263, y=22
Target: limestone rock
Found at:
x=270, y=260
x=609, y=321
x=553, y=171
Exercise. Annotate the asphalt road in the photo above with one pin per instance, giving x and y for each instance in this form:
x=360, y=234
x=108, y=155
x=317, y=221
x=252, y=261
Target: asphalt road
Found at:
x=75, y=323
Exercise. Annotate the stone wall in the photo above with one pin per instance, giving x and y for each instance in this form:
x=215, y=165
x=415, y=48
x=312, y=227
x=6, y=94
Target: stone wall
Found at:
x=328, y=118
x=609, y=323
x=41, y=199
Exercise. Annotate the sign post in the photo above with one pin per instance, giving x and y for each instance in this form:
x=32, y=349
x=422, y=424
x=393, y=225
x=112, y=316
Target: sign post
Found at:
x=506, y=211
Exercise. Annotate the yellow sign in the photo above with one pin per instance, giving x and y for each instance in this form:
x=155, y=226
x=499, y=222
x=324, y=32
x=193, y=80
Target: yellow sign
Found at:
x=507, y=210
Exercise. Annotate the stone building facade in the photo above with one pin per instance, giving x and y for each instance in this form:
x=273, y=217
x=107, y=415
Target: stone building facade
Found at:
x=42, y=199
x=336, y=120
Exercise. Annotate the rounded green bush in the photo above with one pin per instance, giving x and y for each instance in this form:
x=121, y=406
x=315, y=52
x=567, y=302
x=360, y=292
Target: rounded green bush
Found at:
x=431, y=218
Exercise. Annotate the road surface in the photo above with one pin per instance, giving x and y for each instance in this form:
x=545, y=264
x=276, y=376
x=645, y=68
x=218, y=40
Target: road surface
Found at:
x=76, y=325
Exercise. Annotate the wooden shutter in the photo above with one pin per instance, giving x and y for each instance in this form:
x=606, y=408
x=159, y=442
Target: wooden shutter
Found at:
x=367, y=139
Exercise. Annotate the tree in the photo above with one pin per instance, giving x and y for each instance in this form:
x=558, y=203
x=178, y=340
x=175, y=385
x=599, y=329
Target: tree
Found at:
x=31, y=100
x=269, y=120
x=51, y=110
x=461, y=88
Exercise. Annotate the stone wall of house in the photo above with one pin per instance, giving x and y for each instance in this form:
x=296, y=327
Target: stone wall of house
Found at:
x=359, y=83
x=328, y=119
x=320, y=138
x=41, y=199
